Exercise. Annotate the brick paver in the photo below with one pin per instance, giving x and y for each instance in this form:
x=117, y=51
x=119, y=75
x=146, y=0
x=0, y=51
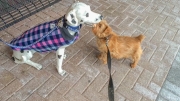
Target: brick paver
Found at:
x=87, y=77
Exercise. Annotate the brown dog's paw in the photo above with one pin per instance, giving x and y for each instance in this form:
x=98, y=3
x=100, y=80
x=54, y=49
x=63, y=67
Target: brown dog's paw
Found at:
x=104, y=62
x=133, y=65
x=99, y=56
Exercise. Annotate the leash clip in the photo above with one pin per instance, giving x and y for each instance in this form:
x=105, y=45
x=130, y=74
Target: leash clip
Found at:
x=107, y=40
x=60, y=24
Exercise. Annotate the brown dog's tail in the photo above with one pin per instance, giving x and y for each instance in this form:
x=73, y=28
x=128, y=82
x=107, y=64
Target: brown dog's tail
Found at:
x=140, y=37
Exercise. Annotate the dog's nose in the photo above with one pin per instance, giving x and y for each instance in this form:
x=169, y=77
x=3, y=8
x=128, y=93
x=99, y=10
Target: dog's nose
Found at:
x=101, y=17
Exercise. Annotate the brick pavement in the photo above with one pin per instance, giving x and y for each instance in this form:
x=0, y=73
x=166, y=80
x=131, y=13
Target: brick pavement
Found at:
x=87, y=77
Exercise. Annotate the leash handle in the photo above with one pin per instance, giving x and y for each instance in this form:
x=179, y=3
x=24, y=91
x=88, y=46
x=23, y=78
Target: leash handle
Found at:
x=111, y=85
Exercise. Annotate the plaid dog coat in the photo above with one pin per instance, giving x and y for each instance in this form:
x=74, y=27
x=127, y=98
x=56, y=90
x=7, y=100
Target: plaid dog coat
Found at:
x=55, y=39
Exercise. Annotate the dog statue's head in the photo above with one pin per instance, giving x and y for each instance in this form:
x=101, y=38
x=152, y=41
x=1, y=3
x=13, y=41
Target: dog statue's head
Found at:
x=102, y=29
x=80, y=13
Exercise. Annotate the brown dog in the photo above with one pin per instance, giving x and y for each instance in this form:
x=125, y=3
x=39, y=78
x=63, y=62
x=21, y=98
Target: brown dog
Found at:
x=119, y=46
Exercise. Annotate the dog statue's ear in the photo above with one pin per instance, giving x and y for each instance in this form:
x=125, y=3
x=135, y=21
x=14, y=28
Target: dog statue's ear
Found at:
x=71, y=18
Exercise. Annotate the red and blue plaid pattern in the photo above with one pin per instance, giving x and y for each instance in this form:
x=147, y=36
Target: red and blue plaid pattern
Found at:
x=51, y=42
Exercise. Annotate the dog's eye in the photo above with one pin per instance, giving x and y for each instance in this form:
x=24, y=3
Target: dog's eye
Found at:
x=87, y=14
x=99, y=25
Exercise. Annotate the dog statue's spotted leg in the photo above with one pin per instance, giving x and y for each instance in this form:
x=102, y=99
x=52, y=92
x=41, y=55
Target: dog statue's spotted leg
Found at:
x=29, y=62
x=60, y=56
x=21, y=57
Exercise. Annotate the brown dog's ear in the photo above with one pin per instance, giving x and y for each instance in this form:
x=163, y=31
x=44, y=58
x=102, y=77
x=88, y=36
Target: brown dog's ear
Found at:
x=107, y=30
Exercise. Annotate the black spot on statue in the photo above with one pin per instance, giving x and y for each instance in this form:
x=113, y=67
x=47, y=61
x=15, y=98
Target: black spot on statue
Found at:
x=101, y=17
x=87, y=14
x=22, y=51
x=13, y=58
x=72, y=16
x=73, y=21
x=59, y=56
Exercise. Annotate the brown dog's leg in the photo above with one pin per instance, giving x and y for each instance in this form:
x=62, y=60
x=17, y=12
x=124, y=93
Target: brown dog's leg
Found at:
x=136, y=58
x=103, y=57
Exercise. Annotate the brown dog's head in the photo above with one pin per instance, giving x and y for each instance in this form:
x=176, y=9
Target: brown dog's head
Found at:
x=102, y=29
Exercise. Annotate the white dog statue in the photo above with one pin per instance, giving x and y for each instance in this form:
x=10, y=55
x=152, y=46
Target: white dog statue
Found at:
x=52, y=36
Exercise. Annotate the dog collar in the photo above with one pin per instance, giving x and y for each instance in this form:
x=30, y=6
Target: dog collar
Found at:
x=72, y=28
x=63, y=21
x=106, y=38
